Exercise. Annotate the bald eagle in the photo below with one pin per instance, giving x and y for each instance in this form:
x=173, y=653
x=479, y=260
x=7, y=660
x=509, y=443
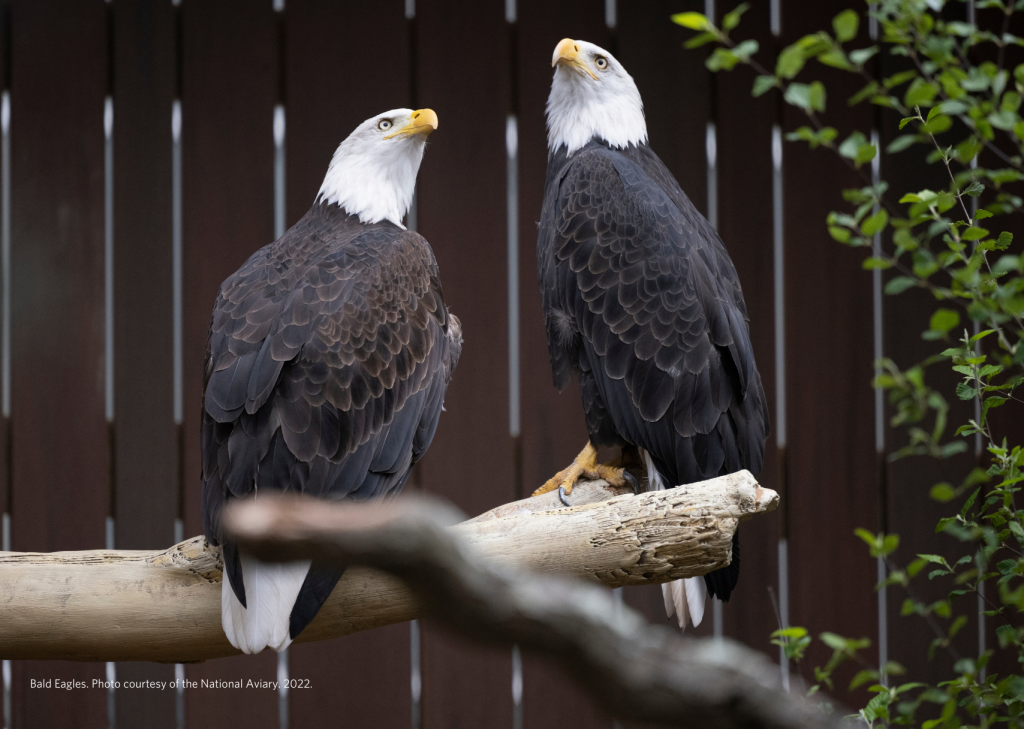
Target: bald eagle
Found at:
x=641, y=303
x=329, y=354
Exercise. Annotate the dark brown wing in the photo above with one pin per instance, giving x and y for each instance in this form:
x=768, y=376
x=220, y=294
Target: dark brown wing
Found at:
x=329, y=354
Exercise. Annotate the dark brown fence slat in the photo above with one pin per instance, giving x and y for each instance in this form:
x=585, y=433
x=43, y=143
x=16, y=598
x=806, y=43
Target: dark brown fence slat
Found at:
x=337, y=76
x=675, y=88
x=553, y=431
x=832, y=486
x=744, y=130
x=227, y=112
x=146, y=460
x=61, y=467
x=459, y=73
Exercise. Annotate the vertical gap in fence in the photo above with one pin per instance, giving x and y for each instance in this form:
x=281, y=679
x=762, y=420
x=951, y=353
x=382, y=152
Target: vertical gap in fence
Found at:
x=176, y=328
x=279, y=131
x=5, y=317
x=5, y=322
x=108, y=322
x=512, y=263
x=780, y=357
x=711, y=162
x=878, y=351
x=880, y=470
x=108, y=326
x=780, y=380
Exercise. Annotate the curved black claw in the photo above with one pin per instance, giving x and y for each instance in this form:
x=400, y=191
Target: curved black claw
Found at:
x=632, y=482
x=562, y=495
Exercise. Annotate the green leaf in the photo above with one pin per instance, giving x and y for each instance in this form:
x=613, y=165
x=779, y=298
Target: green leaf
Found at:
x=867, y=537
x=875, y=224
x=900, y=143
x=870, y=90
x=920, y=93
x=1004, y=240
x=943, y=320
x=722, y=59
x=969, y=503
x=965, y=391
x=861, y=55
x=873, y=263
x=845, y=25
x=693, y=21
x=833, y=641
x=890, y=543
x=906, y=120
x=763, y=84
x=840, y=234
x=899, y=284
x=745, y=50
x=1007, y=635
x=864, y=676
x=973, y=233
x=732, y=19
x=701, y=40
x=975, y=189
x=793, y=632
x=791, y=60
x=817, y=96
x=798, y=95
x=942, y=492
x=992, y=402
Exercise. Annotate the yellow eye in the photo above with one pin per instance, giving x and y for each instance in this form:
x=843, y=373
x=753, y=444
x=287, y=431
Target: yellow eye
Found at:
x=601, y=62
x=384, y=124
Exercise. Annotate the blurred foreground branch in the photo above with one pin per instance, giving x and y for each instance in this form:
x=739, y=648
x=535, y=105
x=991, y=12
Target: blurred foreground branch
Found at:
x=636, y=670
x=165, y=606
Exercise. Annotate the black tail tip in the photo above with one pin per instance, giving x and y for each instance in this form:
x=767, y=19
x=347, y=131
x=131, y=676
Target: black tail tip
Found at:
x=722, y=582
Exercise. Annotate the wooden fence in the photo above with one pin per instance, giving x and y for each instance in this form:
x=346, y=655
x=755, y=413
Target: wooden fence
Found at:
x=150, y=146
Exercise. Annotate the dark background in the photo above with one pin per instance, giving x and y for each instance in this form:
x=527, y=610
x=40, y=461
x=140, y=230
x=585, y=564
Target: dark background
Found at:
x=66, y=468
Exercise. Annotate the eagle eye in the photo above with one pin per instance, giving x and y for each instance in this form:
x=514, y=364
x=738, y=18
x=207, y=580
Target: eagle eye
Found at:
x=384, y=125
x=601, y=62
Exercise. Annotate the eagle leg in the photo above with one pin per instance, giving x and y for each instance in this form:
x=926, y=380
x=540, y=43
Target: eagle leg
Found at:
x=585, y=466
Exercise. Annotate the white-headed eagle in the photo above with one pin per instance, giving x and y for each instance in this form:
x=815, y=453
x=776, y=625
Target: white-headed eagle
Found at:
x=329, y=354
x=641, y=303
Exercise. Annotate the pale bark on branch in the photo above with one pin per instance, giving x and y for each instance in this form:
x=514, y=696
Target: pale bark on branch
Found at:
x=636, y=670
x=165, y=606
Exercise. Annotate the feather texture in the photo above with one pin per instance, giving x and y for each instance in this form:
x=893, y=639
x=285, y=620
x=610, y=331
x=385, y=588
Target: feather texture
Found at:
x=644, y=307
x=329, y=355
x=271, y=591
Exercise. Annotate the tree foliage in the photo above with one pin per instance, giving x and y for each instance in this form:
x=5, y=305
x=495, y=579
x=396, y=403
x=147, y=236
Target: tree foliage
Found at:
x=957, y=97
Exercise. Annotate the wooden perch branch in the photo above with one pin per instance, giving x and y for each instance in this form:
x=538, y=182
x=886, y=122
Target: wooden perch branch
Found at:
x=165, y=606
x=636, y=670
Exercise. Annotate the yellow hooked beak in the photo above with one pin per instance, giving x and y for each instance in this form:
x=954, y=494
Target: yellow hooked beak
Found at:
x=568, y=52
x=422, y=121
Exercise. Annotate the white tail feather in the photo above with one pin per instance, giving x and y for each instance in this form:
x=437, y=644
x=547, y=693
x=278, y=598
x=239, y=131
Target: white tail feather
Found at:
x=270, y=593
x=683, y=598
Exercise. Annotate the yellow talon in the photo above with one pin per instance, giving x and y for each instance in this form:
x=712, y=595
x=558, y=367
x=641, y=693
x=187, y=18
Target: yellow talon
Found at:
x=585, y=465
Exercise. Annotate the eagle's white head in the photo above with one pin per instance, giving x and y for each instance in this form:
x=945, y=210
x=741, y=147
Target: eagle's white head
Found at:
x=373, y=172
x=592, y=96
